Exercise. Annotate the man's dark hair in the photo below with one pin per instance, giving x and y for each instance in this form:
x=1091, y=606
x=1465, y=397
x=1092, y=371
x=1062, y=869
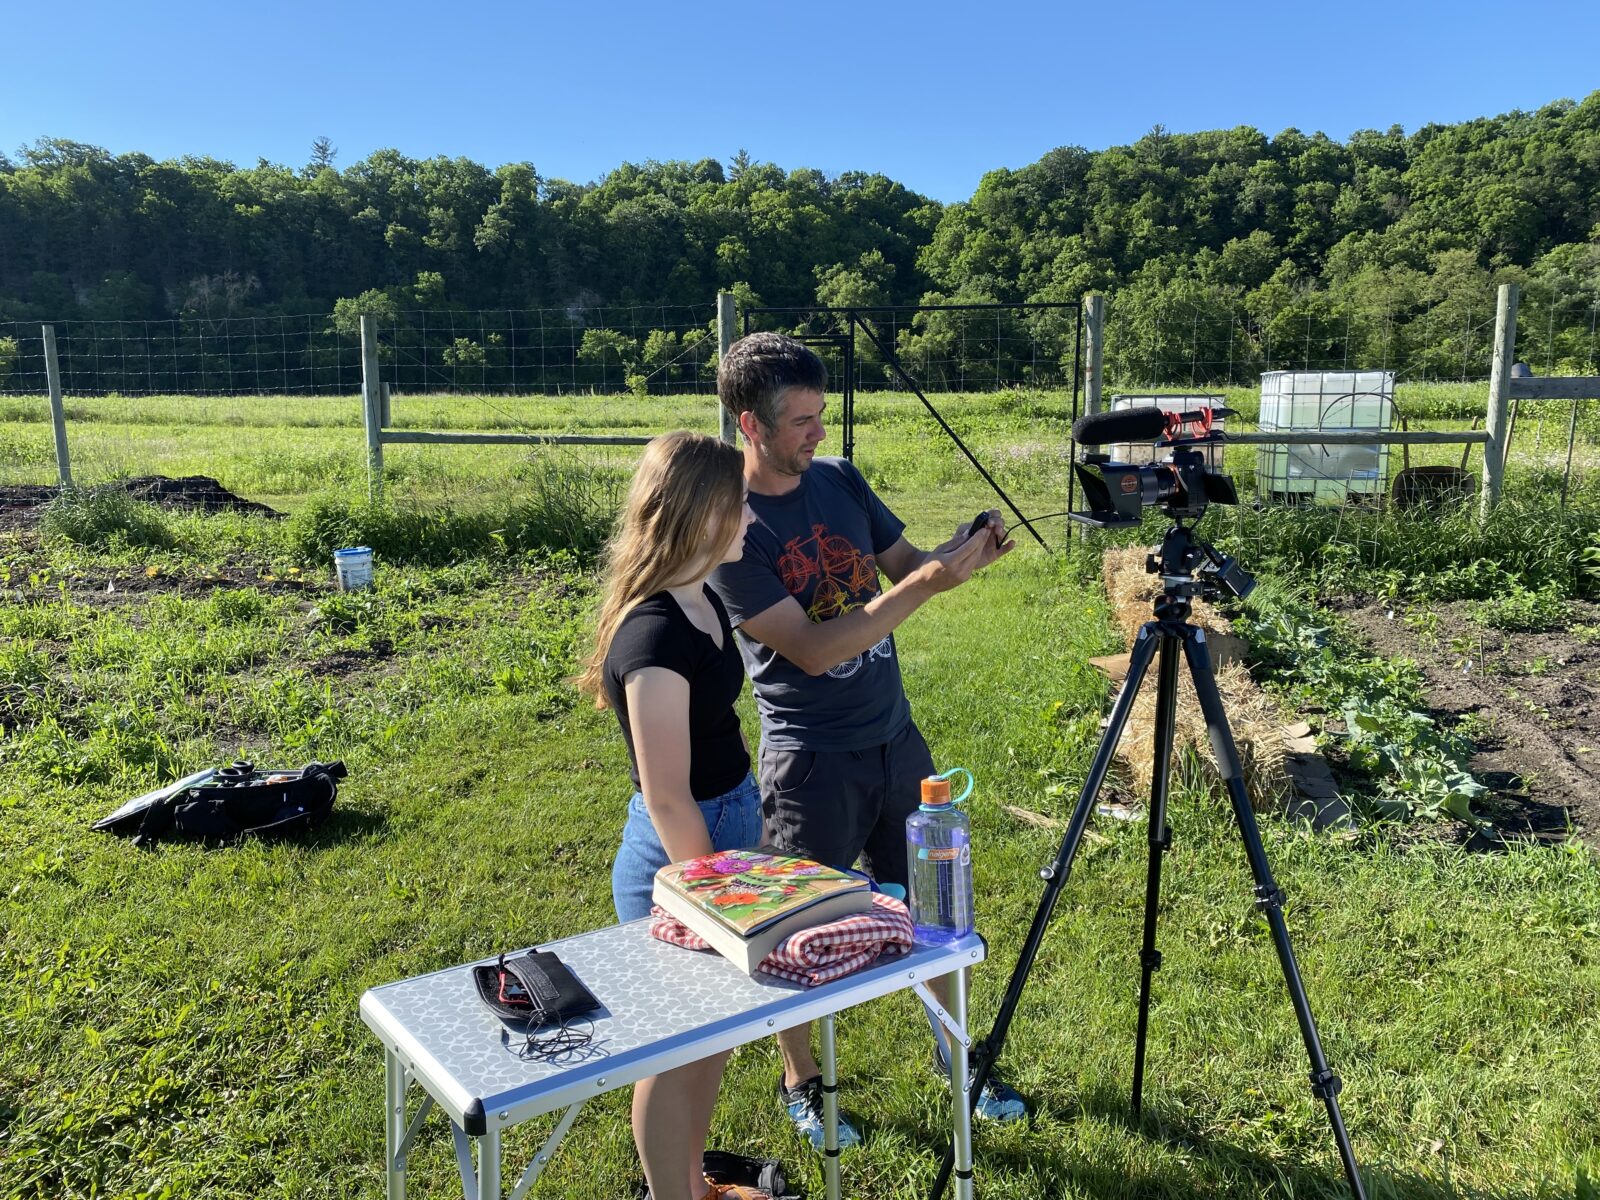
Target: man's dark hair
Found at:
x=759, y=368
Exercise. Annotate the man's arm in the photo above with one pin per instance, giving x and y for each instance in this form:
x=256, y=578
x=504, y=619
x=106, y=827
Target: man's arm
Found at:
x=902, y=558
x=816, y=647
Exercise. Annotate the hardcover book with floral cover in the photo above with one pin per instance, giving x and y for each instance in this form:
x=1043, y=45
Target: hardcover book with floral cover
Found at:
x=744, y=902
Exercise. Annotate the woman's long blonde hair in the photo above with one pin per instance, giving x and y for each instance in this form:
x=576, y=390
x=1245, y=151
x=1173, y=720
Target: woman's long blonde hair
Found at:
x=684, y=503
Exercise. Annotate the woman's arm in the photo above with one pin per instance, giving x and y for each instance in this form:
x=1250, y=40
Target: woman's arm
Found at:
x=658, y=714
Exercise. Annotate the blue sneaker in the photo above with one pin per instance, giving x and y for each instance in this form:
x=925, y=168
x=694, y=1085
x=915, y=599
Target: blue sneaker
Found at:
x=803, y=1102
x=998, y=1102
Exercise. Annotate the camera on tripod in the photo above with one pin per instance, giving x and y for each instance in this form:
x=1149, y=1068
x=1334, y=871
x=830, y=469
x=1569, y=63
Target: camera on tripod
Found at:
x=1182, y=483
x=1117, y=494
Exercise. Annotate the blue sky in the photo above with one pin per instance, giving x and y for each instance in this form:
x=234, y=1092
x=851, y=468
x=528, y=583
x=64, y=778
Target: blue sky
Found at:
x=932, y=94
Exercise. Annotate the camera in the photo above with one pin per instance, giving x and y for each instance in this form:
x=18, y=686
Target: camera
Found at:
x=1117, y=492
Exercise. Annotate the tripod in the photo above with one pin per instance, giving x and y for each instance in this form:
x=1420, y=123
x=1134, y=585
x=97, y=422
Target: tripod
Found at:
x=1188, y=568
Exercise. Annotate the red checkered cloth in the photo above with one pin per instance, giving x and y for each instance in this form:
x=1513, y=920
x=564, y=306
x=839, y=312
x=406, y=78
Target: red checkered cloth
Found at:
x=822, y=953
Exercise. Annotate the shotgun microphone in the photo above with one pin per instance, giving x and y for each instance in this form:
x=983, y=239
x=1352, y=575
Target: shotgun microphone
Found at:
x=1123, y=425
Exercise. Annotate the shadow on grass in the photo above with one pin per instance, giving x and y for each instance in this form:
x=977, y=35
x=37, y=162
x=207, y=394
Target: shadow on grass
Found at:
x=346, y=824
x=1221, y=1167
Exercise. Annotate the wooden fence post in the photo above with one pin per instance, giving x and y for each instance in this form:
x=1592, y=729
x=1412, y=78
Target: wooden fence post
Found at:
x=386, y=413
x=372, y=406
x=1496, y=448
x=1094, y=316
x=58, y=413
x=726, y=318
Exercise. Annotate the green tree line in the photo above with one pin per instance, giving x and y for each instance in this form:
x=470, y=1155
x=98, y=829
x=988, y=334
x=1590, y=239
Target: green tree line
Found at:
x=1224, y=252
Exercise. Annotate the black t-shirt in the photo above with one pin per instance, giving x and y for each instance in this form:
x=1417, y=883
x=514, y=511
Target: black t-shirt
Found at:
x=656, y=633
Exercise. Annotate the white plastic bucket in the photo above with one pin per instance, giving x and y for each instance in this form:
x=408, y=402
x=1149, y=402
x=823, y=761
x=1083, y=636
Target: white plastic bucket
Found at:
x=353, y=566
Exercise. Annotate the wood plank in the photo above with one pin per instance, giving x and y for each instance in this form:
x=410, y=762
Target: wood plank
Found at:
x=511, y=439
x=1557, y=387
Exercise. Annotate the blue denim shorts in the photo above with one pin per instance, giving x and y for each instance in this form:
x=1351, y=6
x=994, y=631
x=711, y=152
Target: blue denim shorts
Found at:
x=733, y=820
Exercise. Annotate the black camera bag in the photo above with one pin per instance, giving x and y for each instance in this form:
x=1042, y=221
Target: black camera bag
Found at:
x=236, y=802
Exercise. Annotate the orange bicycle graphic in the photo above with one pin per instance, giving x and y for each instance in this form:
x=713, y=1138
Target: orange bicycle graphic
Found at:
x=842, y=572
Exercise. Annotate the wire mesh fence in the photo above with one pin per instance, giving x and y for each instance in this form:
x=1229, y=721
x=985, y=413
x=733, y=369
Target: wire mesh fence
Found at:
x=274, y=402
x=653, y=349
x=1434, y=361
x=968, y=405
x=1214, y=340
x=270, y=404
x=945, y=347
x=298, y=355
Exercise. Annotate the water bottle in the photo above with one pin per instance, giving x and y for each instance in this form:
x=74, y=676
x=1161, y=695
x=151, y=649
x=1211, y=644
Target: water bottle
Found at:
x=939, y=854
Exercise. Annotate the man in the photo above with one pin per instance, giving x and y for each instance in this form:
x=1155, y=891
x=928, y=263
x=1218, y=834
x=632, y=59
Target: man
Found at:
x=841, y=761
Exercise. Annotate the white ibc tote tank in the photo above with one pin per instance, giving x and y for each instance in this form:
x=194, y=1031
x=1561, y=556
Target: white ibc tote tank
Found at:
x=1313, y=401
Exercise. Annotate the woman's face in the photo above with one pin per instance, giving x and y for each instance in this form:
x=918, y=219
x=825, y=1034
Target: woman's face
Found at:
x=734, y=550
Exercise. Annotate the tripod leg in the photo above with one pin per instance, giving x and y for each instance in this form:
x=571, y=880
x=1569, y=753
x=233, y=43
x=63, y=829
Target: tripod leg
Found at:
x=1325, y=1085
x=1160, y=838
x=1055, y=877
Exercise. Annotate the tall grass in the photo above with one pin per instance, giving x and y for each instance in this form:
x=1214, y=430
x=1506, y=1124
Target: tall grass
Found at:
x=1530, y=539
x=104, y=516
x=561, y=504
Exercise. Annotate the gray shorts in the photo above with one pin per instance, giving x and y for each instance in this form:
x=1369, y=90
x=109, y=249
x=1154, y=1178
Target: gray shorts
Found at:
x=837, y=806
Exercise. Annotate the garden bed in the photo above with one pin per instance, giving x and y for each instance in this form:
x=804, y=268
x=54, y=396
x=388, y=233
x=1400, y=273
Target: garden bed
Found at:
x=1529, y=700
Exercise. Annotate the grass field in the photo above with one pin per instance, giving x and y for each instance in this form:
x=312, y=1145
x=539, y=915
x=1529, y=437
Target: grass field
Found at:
x=181, y=1023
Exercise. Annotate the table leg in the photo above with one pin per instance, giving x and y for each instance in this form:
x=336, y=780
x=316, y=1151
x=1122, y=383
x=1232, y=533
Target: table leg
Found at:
x=961, y=1111
x=489, y=1166
x=830, y=1108
x=394, y=1124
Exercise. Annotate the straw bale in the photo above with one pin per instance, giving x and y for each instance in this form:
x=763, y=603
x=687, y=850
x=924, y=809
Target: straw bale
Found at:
x=1254, y=719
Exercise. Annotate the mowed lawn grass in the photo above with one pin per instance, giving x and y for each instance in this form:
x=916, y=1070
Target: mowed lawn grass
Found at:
x=182, y=1022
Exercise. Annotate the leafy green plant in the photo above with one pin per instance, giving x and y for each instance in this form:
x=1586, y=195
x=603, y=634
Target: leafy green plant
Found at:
x=1426, y=624
x=1524, y=609
x=17, y=450
x=345, y=612
x=1420, y=771
x=234, y=606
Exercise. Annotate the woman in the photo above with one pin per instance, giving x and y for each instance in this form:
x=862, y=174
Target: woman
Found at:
x=664, y=660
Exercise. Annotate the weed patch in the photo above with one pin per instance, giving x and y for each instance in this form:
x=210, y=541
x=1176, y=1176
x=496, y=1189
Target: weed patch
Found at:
x=1522, y=609
x=565, y=507
x=104, y=517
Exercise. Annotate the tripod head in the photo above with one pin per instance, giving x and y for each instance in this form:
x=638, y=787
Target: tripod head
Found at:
x=1189, y=567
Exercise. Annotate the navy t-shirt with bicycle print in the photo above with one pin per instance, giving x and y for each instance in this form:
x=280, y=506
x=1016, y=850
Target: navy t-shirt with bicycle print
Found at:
x=818, y=543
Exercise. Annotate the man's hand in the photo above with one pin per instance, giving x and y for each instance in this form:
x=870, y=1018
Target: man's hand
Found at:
x=995, y=529
x=957, y=560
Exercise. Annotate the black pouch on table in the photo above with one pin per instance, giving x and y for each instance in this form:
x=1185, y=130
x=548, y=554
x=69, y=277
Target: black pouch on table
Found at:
x=536, y=987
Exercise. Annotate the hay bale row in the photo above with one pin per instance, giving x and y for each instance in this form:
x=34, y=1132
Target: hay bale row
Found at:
x=1257, y=725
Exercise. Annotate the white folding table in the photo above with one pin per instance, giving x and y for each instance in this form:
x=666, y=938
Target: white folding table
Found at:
x=662, y=1007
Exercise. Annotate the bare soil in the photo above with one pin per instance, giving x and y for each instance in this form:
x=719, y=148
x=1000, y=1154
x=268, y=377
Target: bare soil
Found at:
x=20, y=504
x=1531, y=703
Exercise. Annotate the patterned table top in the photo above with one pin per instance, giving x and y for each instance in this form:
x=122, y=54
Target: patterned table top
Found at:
x=662, y=1006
